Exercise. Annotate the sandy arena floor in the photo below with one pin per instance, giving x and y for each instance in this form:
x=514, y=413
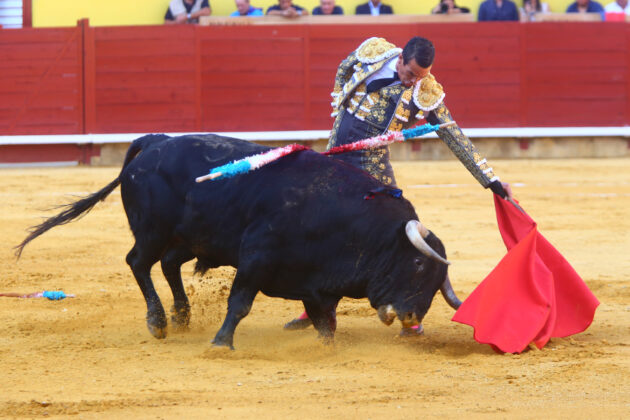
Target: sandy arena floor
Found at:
x=92, y=357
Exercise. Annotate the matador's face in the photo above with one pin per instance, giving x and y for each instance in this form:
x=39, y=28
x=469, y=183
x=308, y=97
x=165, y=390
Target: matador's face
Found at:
x=411, y=72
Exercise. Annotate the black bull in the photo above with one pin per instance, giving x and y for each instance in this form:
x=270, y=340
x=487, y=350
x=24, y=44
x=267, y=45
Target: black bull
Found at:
x=299, y=228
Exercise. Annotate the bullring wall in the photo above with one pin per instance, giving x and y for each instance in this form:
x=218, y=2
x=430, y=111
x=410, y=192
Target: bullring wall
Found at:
x=266, y=78
x=278, y=77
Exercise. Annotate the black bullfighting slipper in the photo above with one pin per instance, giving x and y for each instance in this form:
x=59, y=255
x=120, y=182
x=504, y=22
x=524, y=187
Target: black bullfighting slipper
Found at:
x=298, y=324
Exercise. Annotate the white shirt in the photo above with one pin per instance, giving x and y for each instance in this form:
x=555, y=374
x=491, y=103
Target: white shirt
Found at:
x=387, y=70
x=374, y=10
x=615, y=8
x=178, y=8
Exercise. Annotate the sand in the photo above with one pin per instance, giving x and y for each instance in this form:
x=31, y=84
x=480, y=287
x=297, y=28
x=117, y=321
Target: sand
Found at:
x=92, y=356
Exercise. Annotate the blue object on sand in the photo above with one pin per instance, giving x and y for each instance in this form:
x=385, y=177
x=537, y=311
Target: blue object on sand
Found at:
x=54, y=295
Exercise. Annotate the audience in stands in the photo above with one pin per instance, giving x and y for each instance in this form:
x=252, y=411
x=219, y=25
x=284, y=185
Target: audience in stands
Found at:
x=243, y=8
x=586, y=6
x=287, y=9
x=618, y=6
x=189, y=11
x=491, y=10
x=186, y=11
x=448, y=7
x=374, y=8
x=327, y=7
x=531, y=8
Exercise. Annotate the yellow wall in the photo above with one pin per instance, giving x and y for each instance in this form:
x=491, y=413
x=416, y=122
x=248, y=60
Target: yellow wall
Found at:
x=48, y=13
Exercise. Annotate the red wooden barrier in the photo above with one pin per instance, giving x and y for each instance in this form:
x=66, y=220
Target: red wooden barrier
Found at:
x=576, y=74
x=253, y=78
x=278, y=77
x=41, y=79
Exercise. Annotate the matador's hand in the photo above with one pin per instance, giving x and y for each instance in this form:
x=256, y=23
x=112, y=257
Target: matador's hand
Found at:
x=502, y=189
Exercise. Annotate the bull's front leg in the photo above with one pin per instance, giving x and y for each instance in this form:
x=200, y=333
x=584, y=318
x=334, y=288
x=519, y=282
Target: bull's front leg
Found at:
x=239, y=304
x=324, y=317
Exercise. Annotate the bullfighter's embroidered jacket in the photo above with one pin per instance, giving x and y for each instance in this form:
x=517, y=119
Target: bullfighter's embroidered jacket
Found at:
x=392, y=108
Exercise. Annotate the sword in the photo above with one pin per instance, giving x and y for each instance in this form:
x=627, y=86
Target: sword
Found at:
x=511, y=200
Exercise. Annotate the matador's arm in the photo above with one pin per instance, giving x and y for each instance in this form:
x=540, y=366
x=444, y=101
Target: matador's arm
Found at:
x=462, y=147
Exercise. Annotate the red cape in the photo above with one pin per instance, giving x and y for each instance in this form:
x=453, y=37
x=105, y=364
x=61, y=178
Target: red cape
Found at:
x=533, y=294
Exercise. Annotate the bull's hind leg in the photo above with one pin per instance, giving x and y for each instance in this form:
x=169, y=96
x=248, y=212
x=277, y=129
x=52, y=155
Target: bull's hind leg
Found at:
x=141, y=264
x=324, y=317
x=171, y=267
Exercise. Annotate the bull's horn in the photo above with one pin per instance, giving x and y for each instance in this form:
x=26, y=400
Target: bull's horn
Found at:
x=449, y=294
x=416, y=233
x=386, y=314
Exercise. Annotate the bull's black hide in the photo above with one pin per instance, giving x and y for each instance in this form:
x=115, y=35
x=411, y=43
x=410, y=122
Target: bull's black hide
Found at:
x=298, y=228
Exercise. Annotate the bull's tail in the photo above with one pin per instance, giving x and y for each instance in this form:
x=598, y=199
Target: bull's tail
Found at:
x=74, y=210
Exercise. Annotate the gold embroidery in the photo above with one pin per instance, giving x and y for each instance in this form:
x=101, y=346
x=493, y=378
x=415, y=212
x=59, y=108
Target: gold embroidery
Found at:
x=375, y=49
x=406, y=96
x=428, y=93
x=348, y=83
x=395, y=126
x=462, y=147
x=402, y=110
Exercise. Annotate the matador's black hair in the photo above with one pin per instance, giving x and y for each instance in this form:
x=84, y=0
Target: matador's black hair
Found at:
x=420, y=49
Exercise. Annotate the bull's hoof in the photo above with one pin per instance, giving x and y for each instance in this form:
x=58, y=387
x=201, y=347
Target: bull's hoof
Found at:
x=180, y=318
x=222, y=343
x=157, y=332
x=327, y=340
x=156, y=323
x=298, y=324
x=412, y=331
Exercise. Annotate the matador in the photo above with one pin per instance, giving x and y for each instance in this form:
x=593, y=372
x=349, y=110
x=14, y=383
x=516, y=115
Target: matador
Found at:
x=381, y=88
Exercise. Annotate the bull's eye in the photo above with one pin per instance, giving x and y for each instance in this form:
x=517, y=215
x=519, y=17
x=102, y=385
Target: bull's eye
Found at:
x=419, y=264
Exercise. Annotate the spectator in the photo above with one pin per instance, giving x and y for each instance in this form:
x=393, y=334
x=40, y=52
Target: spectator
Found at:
x=287, y=9
x=374, y=8
x=243, y=8
x=497, y=10
x=531, y=8
x=586, y=6
x=327, y=7
x=618, y=6
x=448, y=7
x=186, y=11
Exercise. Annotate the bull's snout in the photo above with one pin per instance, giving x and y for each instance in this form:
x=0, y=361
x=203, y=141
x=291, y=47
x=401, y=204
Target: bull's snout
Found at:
x=409, y=320
x=386, y=314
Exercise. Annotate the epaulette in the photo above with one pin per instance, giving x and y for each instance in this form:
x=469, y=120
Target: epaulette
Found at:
x=374, y=49
x=428, y=93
